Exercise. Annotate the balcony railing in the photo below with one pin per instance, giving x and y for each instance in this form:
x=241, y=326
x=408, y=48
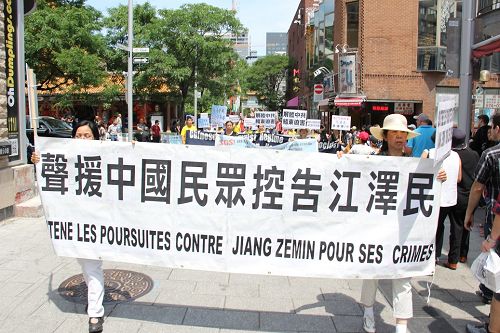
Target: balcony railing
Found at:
x=486, y=6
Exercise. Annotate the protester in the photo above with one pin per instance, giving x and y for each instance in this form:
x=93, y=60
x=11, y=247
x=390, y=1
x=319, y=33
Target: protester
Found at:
x=375, y=144
x=260, y=129
x=142, y=131
x=113, y=130
x=102, y=132
x=469, y=159
x=176, y=127
x=189, y=126
x=303, y=133
x=486, y=180
x=416, y=146
x=479, y=142
x=119, y=122
x=394, y=134
x=156, y=131
x=92, y=269
x=229, y=128
x=361, y=147
x=493, y=241
x=279, y=126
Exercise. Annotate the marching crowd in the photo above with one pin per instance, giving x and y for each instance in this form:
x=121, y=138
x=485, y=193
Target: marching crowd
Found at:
x=470, y=177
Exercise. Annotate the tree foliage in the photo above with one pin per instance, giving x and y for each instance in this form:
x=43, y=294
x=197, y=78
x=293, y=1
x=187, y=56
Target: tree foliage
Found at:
x=63, y=46
x=193, y=38
x=69, y=44
x=266, y=77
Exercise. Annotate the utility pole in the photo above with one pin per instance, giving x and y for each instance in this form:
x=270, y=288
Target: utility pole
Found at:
x=130, y=100
x=195, y=95
x=465, y=89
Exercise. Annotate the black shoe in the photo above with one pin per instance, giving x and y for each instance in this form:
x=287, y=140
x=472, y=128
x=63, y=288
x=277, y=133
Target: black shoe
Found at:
x=484, y=298
x=476, y=329
x=97, y=327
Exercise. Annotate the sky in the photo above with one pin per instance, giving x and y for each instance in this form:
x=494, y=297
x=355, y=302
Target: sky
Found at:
x=259, y=16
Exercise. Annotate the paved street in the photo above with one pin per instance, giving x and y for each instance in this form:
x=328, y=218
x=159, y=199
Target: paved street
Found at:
x=198, y=301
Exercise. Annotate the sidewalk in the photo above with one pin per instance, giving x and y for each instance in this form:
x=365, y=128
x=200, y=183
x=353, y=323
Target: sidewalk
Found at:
x=198, y=301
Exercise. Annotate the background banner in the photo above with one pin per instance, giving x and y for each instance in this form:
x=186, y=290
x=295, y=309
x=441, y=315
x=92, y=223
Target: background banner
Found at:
x=243, y=211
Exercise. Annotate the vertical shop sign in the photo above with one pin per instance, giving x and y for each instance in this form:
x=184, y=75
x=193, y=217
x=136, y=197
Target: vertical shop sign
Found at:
x=11, y=75
x=347, y=74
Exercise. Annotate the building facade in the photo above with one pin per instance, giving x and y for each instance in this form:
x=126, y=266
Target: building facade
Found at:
x=300, y=44
x=276, y=43
x=390, y=57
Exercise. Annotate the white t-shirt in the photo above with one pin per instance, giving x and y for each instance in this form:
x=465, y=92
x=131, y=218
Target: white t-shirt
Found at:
x=361, y=150
x=451, y=165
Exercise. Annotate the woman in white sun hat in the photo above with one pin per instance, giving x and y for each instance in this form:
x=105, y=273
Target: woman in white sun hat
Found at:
x=394, y=134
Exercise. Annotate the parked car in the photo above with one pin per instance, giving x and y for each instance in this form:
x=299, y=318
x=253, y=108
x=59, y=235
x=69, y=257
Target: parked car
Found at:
x=47, y=126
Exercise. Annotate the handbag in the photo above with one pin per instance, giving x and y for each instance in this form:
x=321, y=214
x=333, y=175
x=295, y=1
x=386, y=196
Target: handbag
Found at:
x=486, y=268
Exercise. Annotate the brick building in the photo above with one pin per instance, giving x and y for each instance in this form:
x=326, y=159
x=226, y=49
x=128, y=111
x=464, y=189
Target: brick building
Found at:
x=404, y=50
x=299, y=42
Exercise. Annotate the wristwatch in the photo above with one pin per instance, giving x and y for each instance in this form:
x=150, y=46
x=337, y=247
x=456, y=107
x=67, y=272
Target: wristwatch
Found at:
x=490, y=240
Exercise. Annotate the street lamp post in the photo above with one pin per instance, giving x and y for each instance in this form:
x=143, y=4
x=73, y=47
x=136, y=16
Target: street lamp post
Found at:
x=195, y=95
x=130, y=70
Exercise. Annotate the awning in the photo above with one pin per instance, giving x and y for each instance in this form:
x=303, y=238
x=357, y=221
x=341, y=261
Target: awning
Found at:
x=294, y=102
x=349, y=101
x=486, y=48
x=323, y=102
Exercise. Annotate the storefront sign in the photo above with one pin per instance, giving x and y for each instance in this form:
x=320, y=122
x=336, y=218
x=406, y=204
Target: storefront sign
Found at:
x=348, y=102
x=347, y=74
x=380, y=108
x=404, y=108
x=11, y=73
x=492, y=101
x=5, y=149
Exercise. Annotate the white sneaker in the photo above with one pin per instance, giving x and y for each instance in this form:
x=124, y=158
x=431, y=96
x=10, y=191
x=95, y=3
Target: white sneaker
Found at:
x=369, y=324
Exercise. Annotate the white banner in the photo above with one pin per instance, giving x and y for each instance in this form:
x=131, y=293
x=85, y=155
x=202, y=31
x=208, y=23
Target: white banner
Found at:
x=268, y=118
x=218, y=115
x=444, y=129
x=249, y=123
x=313, y=124
x=342, y=123
x=294, y=119
x=259, y=212
x=203, y=123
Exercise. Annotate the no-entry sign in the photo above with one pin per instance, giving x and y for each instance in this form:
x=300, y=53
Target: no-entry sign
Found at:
x=318, y=89
x=318, y=92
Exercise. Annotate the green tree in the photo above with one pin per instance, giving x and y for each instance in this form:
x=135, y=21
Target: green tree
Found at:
x=64, y=47
x=266, y=77
x=147, y=79
x=193, y=42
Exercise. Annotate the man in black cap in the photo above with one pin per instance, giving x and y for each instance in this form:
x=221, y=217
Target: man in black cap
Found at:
x=480, y=140
x=469, y=159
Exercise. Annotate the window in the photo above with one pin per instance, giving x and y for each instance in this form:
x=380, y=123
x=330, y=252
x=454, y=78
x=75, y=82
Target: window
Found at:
x=433, y=20
x=491, y=63
x=352, y=23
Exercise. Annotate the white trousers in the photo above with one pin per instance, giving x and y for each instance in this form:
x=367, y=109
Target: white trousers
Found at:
x=402, y=302
x=94, y=278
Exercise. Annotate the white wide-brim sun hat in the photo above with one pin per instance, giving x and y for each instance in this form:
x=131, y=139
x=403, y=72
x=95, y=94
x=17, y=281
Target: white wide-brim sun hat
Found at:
x=393, y=122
